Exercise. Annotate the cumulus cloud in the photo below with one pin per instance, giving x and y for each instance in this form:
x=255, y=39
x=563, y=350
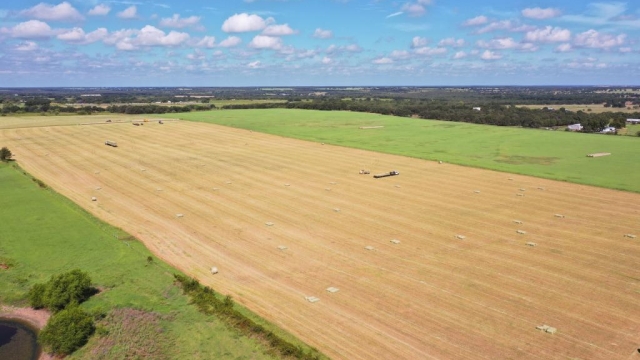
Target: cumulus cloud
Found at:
x=563, y=48
x=507, y=25
x=148, y=36
x=100, y=10
x=177, y=22
x=351, y=48
x=548, y=35
x=541, y=14
x=196, y=55
x=459, y=55
x=452, y=42
x=418, y=42
x=428, y=51
x=266, y=42
x=254, y=65
x=32, y=29
x=231, y=41
x=245, y=23
x=476, y=21
x=27, y=46
x=61, y=12
x=400, y=54
x=416, y=8
x=78, y=36
x=490, y=55
x=322, y=34
x=326, y=60
x=129, y=13
x=594, y=39
x=278, y=30
x=500, y=43
x=382, y=61
x=207, y=42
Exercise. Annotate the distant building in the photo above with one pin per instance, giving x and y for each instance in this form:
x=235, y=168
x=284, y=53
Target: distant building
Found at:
x=633, y=121
x=574, y=127
x=608, y=129
x=477, y=108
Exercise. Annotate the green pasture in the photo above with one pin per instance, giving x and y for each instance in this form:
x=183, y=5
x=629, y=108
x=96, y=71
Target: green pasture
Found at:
x=557, y=155
x=42, y=233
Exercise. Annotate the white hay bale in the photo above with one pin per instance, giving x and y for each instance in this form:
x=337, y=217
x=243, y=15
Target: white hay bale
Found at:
x=97, y=172
x=551, y=330
x=511, y=179
x=94, y=199
x=336, y=210
x=521, y=232
x=287, y=184
x=540, y=188
x=333, y=289
x=328, y=189
x=398, y=186
x=98, y=188
x=333, y=183
x=476, y=191
x=439, y=162
x=311, y=299
x=179, y=215
x=143, y=169
x=282, y=248
x=228, y=183
x=542, y=327
x=521, y=189
x=517, y=221
x=216, y=189
x=559, y=215
x=461, y=237
x=214, y=270
x=395, y=241
x=519, y=194
x=269, y=223
x=631, y=236
x=370, y=248
x=531, y=244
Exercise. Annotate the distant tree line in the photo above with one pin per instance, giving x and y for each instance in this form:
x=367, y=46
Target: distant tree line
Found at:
x=44, y=106
x=489, y=113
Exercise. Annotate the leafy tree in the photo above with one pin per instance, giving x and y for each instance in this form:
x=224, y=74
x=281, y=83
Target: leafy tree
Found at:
x=70, y=288
x=67, y=331
x=5, y=154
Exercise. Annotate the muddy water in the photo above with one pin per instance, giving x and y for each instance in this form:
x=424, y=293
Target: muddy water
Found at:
x=17, y=341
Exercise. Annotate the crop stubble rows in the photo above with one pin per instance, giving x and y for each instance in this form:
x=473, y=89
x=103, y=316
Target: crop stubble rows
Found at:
x=431, y=296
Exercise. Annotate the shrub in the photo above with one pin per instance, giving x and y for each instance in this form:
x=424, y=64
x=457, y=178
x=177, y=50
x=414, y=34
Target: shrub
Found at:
x=5, y=154
x=67, y=331
x=62, y=290
x=638, y=133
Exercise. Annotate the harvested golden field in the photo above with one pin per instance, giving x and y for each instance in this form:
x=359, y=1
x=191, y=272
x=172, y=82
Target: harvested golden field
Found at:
x=430, y=296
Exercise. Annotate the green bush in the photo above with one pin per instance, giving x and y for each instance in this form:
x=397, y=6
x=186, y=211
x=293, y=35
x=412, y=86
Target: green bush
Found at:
x=67, y=331
x=5, y=154
x=70, y=288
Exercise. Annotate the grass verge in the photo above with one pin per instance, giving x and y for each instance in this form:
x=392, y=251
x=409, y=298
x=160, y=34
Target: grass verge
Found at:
x=44, y=233
x=556, y=155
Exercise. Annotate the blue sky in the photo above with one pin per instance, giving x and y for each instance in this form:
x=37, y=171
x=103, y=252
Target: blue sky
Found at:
x=318, y=42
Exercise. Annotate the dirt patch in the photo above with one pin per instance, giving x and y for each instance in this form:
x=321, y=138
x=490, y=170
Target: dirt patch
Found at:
x=4, y=267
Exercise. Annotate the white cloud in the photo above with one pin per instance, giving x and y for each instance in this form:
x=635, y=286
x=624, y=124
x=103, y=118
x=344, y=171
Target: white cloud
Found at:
x=563, y=48
x=27, y=46
x=418, y=42
x=505, y=25
x=254, y=65
x=266, y=42
x=231, y=41
x=452, y=42
x=129, y=13
x=207, y=42
x=352, y=48
x=490, y=55
x=427, y=51
x=322, y=34
x=326, y=60
x=177, y=22
x=132, y=39
x=548, y=35
x=100, y=10
x=78, y=36
x=382, y=61
x=400, y=54
x=500, y=43
x=245, y=23
x=596, y=40
x=395, y=14
x=625, y=50
x=541, y=14
x=61, y=12
x=416, y=8
x=459, y=55
x=476, y=21
x=32, y=29
x=197, y=55
x=278, y=30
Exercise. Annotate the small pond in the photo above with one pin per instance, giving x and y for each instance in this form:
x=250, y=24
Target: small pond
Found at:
x=18, y=341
